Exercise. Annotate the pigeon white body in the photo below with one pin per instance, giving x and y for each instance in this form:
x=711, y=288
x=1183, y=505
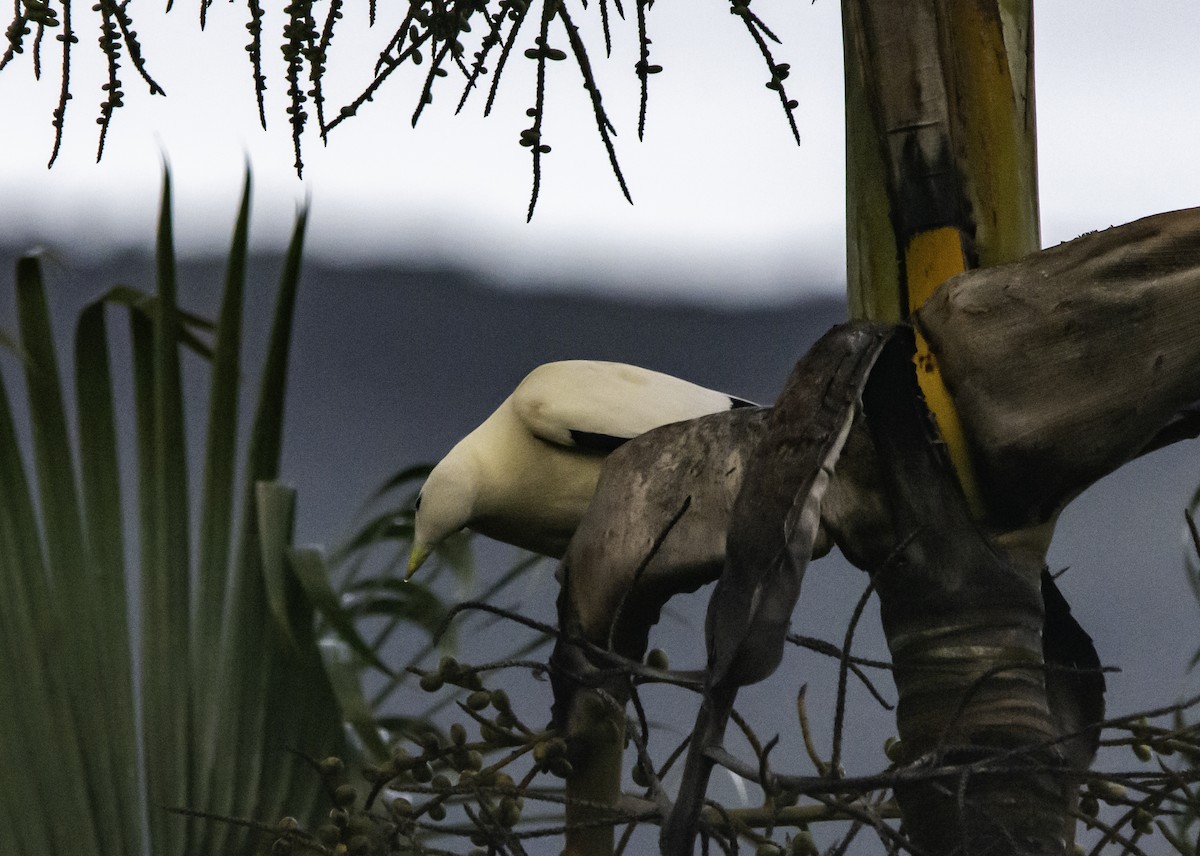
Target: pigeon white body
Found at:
x=526, y=475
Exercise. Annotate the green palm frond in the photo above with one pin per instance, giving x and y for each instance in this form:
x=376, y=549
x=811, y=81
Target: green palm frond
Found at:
x=170, y=663
x=224, y=695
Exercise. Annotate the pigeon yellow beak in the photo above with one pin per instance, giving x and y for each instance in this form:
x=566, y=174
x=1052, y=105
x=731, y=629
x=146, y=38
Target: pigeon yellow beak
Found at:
x=420, y=552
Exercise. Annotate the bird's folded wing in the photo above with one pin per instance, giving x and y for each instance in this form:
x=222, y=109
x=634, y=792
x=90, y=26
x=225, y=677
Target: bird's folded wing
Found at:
x=597, y=406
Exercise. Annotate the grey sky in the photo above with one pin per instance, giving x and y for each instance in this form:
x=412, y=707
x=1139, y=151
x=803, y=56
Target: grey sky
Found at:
x=724, y=198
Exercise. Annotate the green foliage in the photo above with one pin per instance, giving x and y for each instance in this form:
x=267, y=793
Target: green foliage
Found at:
x=169, y=668
x=223, y=692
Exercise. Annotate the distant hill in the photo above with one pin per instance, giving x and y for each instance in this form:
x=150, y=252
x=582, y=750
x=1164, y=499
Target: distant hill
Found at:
x=392, y=365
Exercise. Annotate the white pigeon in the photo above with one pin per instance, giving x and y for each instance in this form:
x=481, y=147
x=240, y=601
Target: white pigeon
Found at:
x=526, y=475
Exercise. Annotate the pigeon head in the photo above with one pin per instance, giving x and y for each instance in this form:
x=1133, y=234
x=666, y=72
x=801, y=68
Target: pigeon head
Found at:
x=445, y=505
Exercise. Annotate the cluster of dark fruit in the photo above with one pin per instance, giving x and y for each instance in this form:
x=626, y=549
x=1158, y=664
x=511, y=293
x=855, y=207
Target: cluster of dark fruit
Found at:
x=449, y=769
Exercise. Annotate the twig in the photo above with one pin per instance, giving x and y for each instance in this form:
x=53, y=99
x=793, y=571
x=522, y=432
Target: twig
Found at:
x=820, y=646
x=603, y=125
x=839, y=717
x=619, y=612
x=1111, y=832
x=806, y=731
x=480, y=606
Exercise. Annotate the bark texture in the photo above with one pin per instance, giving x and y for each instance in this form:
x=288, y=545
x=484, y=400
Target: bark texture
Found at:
x=963, y=620
x=940, y=133
x=1067, y=363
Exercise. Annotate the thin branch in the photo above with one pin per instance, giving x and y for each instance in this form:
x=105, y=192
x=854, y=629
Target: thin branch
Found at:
x=604, y=25
x=396, y=42
x=806, y=731
x=835, y=758
x=643, y=66
x=300, y=35
x=480, y=606
x=603, y=125
x=133, y=46
x=1112, y=833
x=15, y=34
x=659, y=540
x=37, y=45
x=779, y=71
x=852, y=833
x=756, y=745
x=497, y=835
x=384, y=67
x=435, y=71
x=517, y=12
x=489, y=41
x=319, y=58
x=110, y=46
x=66, y=38
x=532, y=137
x=254, y=49
x=820, y=646
x=640, y=740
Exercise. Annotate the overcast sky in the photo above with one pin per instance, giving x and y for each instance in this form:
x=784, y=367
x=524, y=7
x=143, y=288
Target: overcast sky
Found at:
x=723, y=195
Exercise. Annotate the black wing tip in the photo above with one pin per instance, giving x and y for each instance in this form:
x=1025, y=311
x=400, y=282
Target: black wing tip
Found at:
x=591, y=441
x=735, y=403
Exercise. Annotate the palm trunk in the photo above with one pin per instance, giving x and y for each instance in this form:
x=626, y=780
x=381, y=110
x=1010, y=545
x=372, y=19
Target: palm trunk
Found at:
x=941, y=161
x=942, y=178
x=963, y=620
